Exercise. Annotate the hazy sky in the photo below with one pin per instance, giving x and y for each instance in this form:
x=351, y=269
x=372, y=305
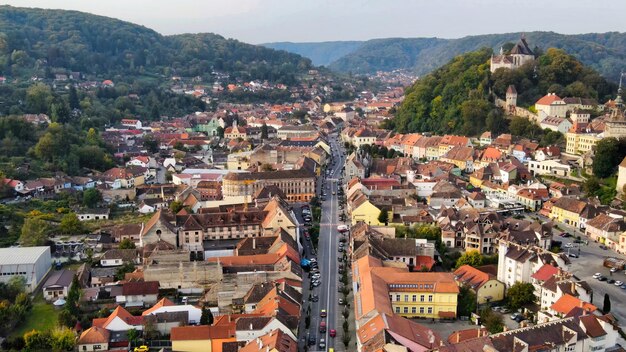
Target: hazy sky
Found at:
x=260, y=21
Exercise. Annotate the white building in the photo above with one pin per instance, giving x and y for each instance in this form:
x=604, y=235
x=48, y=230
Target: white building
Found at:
x=549, y=167
x=519, y=263
x=558, y=124
x=32, y=263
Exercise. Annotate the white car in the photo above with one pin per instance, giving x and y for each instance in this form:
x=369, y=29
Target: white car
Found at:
x=596, y=275
x=618, y=283
x=568, y=245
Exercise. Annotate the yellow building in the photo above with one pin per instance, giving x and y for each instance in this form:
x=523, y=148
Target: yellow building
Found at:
x=423, y=295
x=383, y=289
x=238, y=161
x=484, y=285
x=362, y=209
x=580, y=143
x=567, y=210
x=201, y=338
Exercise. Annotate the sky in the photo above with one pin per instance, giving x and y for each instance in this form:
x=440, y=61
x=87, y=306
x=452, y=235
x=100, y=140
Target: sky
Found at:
x=263, y=21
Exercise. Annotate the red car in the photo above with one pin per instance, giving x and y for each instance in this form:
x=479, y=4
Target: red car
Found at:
x=323, y=327
x=332, y=332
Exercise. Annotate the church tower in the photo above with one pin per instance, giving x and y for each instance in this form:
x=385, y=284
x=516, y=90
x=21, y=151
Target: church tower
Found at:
x=511, y=98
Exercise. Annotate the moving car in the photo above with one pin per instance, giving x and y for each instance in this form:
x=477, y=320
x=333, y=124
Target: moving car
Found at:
x=565, y=234
x=322, y=326
x=322, y=344
x=323, y=313
x=332, y=332
x=142, y=348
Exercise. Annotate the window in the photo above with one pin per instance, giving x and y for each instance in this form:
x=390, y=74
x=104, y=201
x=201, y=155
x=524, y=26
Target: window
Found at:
x=398, y=310
x=406, y=298
x=414, y=298
x=430, y=298
x=413, y=310
x=406, y=310
x=397, y=297
x=430, y=310
x=421, y=298
x=421, y=310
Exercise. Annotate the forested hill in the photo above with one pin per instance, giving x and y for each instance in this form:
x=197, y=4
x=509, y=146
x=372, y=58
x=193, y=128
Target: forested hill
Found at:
x=605, y=52
x=456, y=98
x=38, y=42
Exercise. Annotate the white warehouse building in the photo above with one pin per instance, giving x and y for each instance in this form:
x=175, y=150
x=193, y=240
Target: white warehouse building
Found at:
x=33, y=263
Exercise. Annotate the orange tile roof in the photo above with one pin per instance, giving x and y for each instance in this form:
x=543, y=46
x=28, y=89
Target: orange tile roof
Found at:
x=164, y=302
x=258, y=259
x=492, y=153
x=548, y=99
x=201, y=332
x=568, y=302
x=275, y=339
x=471, y=276
x=371, y=328
x=545, y=272
x=94, y=335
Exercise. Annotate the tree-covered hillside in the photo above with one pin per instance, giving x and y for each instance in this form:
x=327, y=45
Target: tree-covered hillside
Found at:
x=456, y=98
x=38, y=42
x=604, y=52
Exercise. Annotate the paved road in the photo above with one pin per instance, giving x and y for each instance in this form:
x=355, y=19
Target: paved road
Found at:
x=590, y=261
x=327, y=259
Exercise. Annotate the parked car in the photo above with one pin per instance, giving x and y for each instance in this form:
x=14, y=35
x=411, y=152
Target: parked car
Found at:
x=610, y=281
x=341, y=302
x=603, y=247
x=565, y=234
x=311, y=340
x=618, y=283
x=613, y=270
x=315, y=298
x=572, y=255
x=602, y=278
x=596, y=275
x=322, y=344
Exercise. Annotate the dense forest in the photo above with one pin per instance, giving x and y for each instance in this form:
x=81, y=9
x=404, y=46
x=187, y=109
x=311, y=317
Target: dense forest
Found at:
x=457, y=98
x=604, y=52
x=37, y=41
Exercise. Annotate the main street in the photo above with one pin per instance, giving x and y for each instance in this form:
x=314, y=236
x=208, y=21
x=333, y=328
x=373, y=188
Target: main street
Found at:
x=327, y=258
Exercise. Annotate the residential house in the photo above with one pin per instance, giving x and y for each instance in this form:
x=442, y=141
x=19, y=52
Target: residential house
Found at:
x=117, y=257
x=568, y=211
x=395, y=333
x=549, y=167
x=483, y=284
x=274, y=341
x=557, y=124
x=94, y=339
x=606, y=228
x=93, y=214
x=139, y=294
x=58, y=285
x=461, y=156
x=201, y=338
x=551, y=105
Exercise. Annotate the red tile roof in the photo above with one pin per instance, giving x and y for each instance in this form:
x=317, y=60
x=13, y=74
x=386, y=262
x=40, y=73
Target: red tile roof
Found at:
x=545, y=272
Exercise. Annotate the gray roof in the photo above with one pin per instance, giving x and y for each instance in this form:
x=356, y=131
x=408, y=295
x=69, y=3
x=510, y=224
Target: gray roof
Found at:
x=21, y=255
x=62, y=278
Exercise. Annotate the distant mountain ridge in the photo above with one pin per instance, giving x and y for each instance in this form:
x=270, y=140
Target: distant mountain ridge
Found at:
x=605, y=52
x=41, y=42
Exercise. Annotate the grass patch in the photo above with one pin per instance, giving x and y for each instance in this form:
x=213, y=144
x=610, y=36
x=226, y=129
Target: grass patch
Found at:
x=43, y=316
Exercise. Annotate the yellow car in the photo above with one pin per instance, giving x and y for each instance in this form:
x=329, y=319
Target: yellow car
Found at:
x=143, y=348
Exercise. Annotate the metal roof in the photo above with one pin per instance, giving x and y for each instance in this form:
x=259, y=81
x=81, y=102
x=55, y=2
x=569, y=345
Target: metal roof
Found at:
x=21, y=255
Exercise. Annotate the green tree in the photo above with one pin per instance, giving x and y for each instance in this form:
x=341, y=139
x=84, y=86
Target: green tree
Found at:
x=151, y=144
x=220, y=131
x=592, y=186
x=466, y=302
x=38, y=98
x=519, y=294
x=71, y=225
x=121, y=271
x=127, y=244
x=62, y=339
x=37, y=340
x=471, y=258
x=383, y=217
x=92, y=137
x=176, y=206
x=73, y=98
x=91, y=197
x=492, y=322
x=264, y=131
x=606, y=308
x=34, y=232
x=133, y=336
x=607, y=155
x=207, y=316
